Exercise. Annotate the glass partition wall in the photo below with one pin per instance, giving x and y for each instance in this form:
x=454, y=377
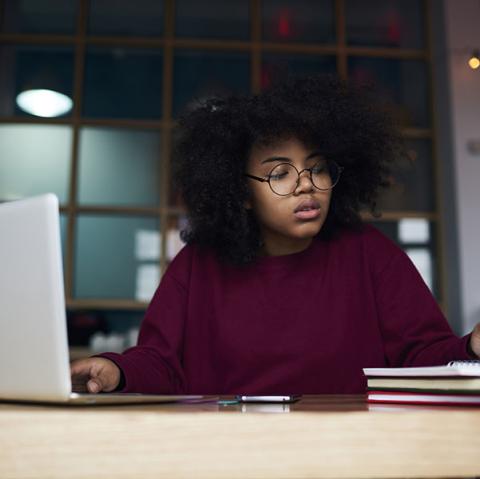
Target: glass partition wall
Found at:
x=123, y=71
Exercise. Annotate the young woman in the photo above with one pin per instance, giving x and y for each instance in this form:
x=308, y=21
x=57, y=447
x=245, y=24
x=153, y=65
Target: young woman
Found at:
x=281, y=288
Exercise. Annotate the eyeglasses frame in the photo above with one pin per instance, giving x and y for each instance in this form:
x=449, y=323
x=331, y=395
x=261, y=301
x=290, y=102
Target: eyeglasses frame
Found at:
x=259, y=178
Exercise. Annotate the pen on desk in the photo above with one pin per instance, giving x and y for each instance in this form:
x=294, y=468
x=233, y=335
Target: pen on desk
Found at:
x=227, y=402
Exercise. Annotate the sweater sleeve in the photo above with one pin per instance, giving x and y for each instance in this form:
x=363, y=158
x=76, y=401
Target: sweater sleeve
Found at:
x=415, y=331
x=154, y=365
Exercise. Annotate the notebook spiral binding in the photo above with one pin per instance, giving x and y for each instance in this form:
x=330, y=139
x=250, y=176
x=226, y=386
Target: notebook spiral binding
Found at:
x=464, y=362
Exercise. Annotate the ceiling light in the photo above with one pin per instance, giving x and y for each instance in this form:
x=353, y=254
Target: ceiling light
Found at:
x=44, y=103
x=474, y=60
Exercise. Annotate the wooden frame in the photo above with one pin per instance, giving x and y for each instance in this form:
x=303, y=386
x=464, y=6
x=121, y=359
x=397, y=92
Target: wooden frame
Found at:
x=168, y=43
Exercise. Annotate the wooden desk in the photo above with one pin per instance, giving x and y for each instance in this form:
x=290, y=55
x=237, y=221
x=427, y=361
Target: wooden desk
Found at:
x=321, y=436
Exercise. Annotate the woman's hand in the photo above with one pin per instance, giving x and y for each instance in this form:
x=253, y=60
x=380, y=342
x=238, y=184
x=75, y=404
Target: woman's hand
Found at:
x=94, y=375
x=475, y=340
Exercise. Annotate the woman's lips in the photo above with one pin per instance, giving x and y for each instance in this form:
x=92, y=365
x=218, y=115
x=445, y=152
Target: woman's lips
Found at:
x=308, y=214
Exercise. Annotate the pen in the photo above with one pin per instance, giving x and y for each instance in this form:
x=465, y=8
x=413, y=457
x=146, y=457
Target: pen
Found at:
x=227, y=402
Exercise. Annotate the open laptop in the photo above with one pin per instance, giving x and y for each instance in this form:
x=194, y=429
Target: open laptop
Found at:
x=34, y=357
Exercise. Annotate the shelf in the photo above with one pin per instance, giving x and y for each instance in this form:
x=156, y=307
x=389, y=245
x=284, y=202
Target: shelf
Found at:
x=114, y=304
x=399, y=215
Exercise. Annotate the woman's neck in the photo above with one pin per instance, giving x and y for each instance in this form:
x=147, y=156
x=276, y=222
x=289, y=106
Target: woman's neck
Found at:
x=284, y=248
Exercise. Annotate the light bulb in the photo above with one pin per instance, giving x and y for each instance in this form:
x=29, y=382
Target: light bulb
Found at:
x=44, y=103
x=474, y=61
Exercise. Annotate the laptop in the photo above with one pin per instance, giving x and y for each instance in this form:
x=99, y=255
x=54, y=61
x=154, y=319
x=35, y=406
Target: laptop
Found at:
x=34, y=356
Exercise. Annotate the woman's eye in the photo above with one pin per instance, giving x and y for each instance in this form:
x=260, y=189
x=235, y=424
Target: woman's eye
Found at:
x=278, y=176
x=319, y=169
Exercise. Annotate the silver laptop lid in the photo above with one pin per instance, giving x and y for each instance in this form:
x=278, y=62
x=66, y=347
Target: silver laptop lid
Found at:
x=33, y=337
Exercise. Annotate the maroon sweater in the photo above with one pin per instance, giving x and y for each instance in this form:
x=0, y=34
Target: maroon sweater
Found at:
x=306, y=322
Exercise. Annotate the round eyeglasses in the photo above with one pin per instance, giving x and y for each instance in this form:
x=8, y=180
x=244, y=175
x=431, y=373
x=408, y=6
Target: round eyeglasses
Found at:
x=284, y=177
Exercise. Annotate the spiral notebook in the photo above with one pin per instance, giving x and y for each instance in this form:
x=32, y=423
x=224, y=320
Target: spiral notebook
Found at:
x=453, y=368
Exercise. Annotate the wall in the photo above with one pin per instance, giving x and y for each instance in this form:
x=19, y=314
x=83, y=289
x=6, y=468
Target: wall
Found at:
x=462, y=29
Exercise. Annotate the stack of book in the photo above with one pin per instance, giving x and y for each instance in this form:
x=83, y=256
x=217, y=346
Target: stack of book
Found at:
x=456, y=383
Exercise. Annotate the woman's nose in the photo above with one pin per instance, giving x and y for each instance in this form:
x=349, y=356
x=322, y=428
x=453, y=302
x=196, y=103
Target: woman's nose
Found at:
x=304, y=182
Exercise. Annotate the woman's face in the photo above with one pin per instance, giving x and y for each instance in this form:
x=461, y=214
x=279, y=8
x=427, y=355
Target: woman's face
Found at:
x=284, y=229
